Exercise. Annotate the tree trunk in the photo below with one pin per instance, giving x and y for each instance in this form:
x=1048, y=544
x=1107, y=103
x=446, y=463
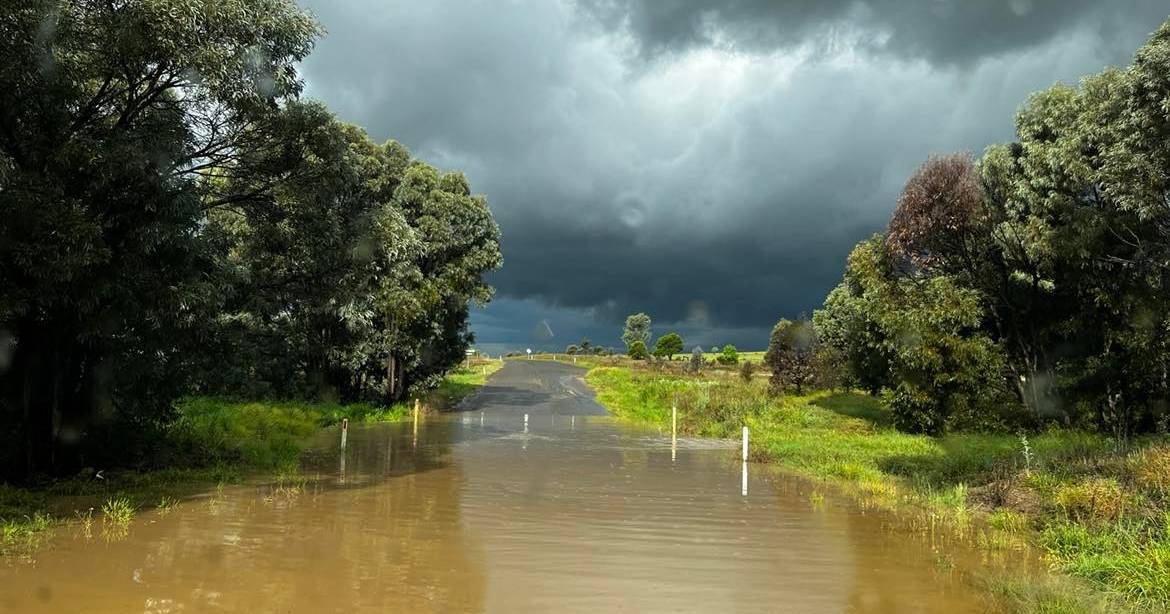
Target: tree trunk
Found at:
x=49, y=400
x=391, y=379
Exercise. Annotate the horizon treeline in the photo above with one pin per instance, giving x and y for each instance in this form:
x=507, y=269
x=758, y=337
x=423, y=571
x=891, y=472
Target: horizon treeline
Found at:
x=175, y=219
x=1030, y=286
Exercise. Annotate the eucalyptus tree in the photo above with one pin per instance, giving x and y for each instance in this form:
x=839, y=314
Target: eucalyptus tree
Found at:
x=425, y=316
x=668, y=345
x=1049, y=257
x=637, y=329
x=306, y=259
x=116, y=121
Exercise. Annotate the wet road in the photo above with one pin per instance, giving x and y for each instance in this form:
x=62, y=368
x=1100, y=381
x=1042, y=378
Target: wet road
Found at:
x=474, y=511
x=535, y=387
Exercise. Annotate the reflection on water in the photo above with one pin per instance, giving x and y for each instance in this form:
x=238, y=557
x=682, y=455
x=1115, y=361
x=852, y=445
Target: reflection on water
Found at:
x=478, y=512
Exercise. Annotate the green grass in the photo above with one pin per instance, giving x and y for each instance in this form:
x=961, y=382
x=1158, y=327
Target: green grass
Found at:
x=462, y=382
x=213, y=441
x=24, y=534
x=118, y=511
x=1100, y=515
x=263, y=435
x=756, y=357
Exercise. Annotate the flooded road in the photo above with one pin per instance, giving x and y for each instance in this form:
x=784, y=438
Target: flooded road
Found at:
x=472, y=511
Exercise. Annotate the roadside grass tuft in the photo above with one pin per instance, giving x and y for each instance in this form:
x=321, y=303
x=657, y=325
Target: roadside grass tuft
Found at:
x=117, y=511
x=165, y=505
x=21, y=535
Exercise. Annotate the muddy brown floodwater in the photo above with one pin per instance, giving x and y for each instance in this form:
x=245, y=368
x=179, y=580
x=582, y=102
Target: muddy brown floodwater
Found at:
x=471, y=512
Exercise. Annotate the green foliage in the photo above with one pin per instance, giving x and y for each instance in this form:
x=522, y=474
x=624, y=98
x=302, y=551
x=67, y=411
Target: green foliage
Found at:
x=637, y=350
x=668, y=345
x=1033, y=278
x=117, y=118
x=1119, y=557
x=942, y=371
x=23, y=534
x=175, y=218
x=637, y=328
x=117, y=511
x=263, y=434
x=792, y=350
x=728, y=356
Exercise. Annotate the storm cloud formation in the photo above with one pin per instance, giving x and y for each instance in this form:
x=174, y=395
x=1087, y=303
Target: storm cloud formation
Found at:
x=941, y=32
x=710, y=163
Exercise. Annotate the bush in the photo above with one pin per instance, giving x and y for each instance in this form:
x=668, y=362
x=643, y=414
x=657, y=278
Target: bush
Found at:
x=1151, y=469
x=747, y=370
x=668, y=345
x=792, y=350
x=1095, y=499
x=696, y=364
x=638, y=351
x=729, y=355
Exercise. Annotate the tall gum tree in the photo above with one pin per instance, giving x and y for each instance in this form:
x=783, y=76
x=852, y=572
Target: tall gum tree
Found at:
x=116, y=119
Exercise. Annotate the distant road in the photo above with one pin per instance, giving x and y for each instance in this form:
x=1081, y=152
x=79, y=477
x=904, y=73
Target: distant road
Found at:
x=535, y=387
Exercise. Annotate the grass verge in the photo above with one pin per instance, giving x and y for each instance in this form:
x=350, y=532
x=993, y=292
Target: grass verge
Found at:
x=1099, y=513
x=212, y=441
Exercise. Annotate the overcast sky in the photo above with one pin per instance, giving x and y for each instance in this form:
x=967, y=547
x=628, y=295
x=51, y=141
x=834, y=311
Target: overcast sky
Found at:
x=709, y=163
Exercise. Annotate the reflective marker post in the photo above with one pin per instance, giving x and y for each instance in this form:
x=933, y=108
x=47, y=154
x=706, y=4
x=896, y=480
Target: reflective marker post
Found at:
x=743, y=485
x=673, y=431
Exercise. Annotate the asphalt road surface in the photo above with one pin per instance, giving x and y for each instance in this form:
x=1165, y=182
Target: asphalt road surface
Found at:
x=535, y=387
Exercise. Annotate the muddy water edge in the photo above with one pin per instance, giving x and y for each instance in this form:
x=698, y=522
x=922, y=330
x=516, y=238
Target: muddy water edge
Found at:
x=478, y=512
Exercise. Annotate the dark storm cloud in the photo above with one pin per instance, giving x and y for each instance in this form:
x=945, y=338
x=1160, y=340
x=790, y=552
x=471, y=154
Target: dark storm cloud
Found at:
x=938, y=31
x=715, y=189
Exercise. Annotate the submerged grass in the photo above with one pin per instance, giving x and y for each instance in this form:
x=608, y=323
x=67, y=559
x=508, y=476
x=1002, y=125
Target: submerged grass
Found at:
x=117, y=511
x=1099, y=514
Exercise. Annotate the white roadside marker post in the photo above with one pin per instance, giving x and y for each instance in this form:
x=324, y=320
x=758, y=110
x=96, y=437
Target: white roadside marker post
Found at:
x=415, y=441
x=344, y=431
x=673, y=432
x=743, y=486
x=525, y=423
